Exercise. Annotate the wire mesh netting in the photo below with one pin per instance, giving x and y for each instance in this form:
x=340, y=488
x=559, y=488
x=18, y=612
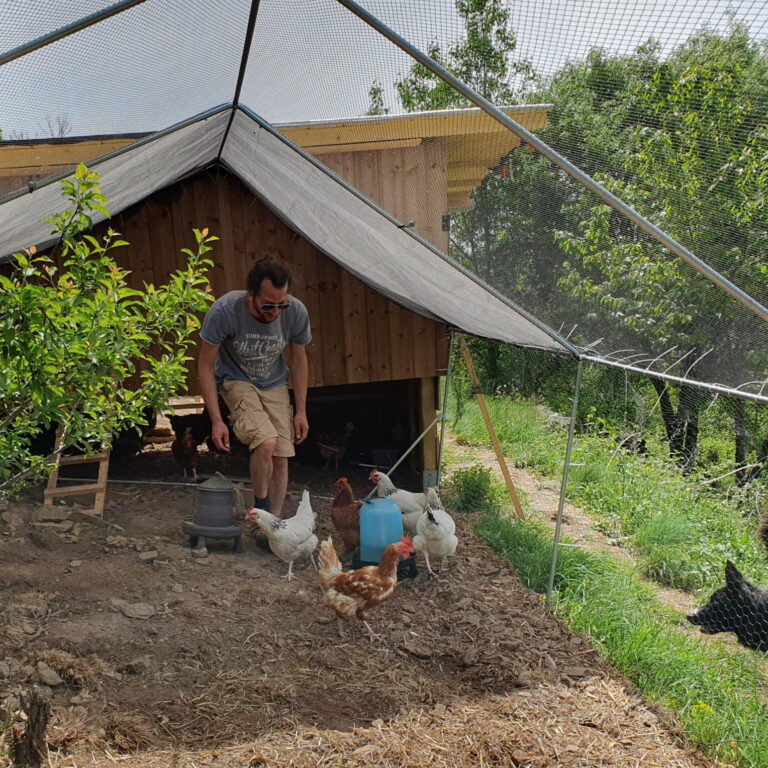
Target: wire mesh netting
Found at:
x=664, y=104
x=377, y=158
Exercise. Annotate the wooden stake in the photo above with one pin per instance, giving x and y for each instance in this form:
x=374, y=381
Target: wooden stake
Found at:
x=489, y=426
x=29, y=745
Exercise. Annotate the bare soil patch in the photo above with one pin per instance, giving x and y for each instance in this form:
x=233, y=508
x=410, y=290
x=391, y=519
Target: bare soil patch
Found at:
x=221, y=661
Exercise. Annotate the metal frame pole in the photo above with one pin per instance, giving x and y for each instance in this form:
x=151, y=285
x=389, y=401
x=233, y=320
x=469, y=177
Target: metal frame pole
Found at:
x=444, y=409
x=411, y=447
x=68, y=29
x=717, y=389
x=564, y=482
x=585, y=180
x=241, y=74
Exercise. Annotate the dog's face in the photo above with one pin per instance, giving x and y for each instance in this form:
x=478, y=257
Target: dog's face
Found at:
x=739, y=607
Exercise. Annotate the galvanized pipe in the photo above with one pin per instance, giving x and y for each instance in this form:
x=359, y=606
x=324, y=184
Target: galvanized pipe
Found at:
x=68, y=29
x=446, y=394
x=717, y=389
x=564, y=481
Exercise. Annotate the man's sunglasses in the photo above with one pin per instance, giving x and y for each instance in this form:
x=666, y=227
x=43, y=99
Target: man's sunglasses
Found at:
x=273, y=307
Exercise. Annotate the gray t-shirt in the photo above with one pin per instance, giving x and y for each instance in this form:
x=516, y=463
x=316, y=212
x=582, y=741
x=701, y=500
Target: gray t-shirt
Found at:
x=250, y=350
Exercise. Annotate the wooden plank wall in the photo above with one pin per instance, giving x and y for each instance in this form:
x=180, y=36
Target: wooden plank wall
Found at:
x=358, y=335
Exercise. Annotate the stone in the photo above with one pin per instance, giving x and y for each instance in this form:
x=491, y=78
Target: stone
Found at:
x=47, y=676
x=81, y=698
x=576, y=671
x=138, y=665
x=5, y=669
x=138, y=610
x=45, y=514
x=13, y=520
x=177, y=588
x=75, y=563
x=524, y=677
x=63, y=527
x=148, y=556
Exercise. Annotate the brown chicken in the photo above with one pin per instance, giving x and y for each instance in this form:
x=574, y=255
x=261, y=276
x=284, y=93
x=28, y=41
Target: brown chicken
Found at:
x=345, y=515
x=355, y=593
x=334, y=447
x=184, y=450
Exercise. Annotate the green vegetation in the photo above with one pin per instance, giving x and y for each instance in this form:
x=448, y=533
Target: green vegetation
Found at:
x=715, y=691
x=681, y=530
x=81, y=348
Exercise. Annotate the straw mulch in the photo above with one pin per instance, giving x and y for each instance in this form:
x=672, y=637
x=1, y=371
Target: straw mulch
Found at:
x=596, y=723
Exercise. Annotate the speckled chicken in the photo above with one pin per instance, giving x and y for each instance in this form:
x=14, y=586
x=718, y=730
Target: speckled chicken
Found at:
x=355, y=593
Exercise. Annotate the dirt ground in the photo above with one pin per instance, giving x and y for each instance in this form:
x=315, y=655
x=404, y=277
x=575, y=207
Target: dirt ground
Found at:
x=144, y=648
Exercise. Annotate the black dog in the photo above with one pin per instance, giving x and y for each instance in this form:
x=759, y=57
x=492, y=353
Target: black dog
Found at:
x=739, y=607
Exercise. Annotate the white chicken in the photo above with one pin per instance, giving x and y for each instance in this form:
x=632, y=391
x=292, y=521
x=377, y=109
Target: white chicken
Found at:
x=289, y=539
x=411, y=504
x=435, y=531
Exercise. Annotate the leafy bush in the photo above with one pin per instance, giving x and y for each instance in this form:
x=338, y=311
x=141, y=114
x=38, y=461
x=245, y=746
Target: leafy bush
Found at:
x=73, y=334
x=471, y=490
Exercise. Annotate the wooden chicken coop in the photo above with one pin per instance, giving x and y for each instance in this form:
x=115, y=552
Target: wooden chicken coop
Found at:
x=371, y=361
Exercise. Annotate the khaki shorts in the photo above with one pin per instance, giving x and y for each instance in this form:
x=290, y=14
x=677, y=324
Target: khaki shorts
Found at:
x=257, y=415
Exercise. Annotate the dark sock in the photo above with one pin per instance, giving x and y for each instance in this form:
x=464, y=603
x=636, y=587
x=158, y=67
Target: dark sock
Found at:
x=261, y=503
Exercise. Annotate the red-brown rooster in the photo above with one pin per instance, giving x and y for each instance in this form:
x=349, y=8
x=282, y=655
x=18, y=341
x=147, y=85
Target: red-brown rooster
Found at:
x=345, y=515
x=355, y=593
x=184, y=450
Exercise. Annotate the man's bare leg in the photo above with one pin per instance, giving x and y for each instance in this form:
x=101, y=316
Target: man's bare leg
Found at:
x=262, y=469
x=278, y=484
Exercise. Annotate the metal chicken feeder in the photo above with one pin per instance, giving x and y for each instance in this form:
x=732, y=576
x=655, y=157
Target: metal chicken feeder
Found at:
x=213, y=517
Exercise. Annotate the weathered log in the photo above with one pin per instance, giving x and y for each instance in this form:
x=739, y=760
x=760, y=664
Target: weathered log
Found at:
x=29, y=745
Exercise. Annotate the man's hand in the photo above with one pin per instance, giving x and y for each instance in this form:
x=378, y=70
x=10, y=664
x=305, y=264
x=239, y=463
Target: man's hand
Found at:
x=300, y=428
x=220, y=436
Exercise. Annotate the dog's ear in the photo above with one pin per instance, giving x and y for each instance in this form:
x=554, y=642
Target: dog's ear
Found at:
x=733, y=577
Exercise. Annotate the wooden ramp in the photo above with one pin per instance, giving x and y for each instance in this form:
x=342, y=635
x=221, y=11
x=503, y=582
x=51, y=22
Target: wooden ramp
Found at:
x=98, y=489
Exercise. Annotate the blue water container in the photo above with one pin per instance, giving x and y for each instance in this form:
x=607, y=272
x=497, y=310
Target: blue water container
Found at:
x=381, y=524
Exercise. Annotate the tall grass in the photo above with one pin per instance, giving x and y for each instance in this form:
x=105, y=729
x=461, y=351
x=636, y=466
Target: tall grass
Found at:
x=681, y=530
x=716, y=692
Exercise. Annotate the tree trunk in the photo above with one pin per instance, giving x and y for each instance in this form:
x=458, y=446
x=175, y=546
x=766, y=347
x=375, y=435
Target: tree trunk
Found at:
x=667, y=411
x=741, y=436
x=29, y=745
x=682, y=425
x=691, y=402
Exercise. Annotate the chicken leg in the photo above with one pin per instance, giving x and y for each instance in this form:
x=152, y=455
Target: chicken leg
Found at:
x=371, y=633
x=429, y=567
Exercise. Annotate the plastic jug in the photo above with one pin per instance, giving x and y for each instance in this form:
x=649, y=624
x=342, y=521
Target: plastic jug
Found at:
x=381, y=524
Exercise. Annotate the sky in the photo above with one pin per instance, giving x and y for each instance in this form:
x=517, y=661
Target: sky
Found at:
x=166, y=60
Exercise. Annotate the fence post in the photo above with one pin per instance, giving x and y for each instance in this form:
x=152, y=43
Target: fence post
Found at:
x=489, y=426
x=564, y=482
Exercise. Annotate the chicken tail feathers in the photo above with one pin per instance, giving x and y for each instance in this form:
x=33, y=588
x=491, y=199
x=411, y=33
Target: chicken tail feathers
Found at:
x=329, y=562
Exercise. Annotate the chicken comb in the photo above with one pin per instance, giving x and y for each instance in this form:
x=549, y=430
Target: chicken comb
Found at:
x=343, y=480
